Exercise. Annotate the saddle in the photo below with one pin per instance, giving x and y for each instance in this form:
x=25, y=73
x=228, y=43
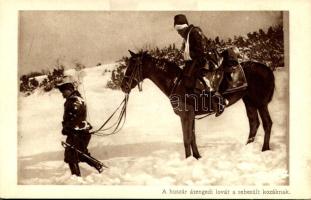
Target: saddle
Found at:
x=221, y=71
x=232, y=80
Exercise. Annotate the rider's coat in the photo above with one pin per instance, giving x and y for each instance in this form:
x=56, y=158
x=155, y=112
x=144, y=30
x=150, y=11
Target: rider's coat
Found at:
x=75, y=127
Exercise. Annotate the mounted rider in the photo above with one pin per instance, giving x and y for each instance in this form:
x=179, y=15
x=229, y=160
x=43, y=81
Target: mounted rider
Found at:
x=75, y=126
x=199, y=58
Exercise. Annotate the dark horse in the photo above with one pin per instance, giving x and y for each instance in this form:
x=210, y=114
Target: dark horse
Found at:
x=165, y=74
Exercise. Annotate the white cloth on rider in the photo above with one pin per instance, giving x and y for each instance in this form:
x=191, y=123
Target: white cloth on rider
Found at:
x=187, y=48
x=180, y=26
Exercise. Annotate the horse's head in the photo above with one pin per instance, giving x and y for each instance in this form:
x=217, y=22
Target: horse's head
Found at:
x=134, y=72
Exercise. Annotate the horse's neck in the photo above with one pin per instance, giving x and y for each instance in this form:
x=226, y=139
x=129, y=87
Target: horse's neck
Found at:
x=163, y=75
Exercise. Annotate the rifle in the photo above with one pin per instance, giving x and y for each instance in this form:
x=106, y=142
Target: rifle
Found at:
x=97, y=164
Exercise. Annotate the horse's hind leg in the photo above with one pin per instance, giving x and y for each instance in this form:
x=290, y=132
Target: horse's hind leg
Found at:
x=267, y=124
x=252, y=115
x=194, y=146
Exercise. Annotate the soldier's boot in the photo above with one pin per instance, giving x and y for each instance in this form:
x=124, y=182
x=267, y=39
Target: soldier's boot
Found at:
x=74, y=168
x=219, y=102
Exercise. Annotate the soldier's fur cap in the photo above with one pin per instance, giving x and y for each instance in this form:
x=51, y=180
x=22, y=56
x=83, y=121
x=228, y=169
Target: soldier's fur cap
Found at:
x=67, y=83
x=180, y=19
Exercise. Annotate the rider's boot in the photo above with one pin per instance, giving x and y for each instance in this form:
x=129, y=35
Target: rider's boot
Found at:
x=219, y=103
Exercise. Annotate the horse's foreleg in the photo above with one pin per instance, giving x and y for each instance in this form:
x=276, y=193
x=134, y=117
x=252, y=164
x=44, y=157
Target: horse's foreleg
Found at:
x=187, y=133
x=194, y=147
x=253, y=120
x=267, y=124
x=187, y=121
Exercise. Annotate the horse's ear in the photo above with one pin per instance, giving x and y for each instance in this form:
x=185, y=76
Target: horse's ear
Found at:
x=145, y=53
x=132, y=53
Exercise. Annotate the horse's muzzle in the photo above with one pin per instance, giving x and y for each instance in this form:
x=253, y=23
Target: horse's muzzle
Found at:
x=125, y=87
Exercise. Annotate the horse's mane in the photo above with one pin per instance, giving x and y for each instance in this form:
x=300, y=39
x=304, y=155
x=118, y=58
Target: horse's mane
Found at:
x=170, y=65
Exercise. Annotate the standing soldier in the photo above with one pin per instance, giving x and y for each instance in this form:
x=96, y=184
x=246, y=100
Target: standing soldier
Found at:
x=76, y=128
x=199, y=58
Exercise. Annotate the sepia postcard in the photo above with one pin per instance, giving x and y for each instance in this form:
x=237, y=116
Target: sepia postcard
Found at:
x=166, y=99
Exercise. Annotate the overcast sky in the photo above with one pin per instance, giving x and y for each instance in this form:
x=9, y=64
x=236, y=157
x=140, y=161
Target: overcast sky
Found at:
x=91, y=37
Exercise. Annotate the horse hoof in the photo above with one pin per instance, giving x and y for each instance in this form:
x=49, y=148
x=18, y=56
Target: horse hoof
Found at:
x=197, y=157
x=250, y=140
x=187, y=156
x=265, y=149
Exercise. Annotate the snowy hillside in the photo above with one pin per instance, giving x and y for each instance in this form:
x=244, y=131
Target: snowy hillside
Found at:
x=149, y=149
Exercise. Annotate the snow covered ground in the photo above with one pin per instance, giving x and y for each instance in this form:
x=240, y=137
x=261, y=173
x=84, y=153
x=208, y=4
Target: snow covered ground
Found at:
x=149, y=149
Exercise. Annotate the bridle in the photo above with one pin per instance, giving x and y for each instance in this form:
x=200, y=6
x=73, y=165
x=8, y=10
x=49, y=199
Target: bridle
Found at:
x=136, y=75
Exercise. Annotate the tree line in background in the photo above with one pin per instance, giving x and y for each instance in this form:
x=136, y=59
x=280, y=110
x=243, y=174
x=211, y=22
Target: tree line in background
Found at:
x=265, y=47
x=45, y=80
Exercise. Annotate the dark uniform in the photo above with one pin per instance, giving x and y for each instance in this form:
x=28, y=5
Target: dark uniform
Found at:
x=201, y=55
x=75, y=126
x=77, y=130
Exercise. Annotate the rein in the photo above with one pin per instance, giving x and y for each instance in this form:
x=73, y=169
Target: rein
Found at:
x=121, y=117
x=135, y=76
